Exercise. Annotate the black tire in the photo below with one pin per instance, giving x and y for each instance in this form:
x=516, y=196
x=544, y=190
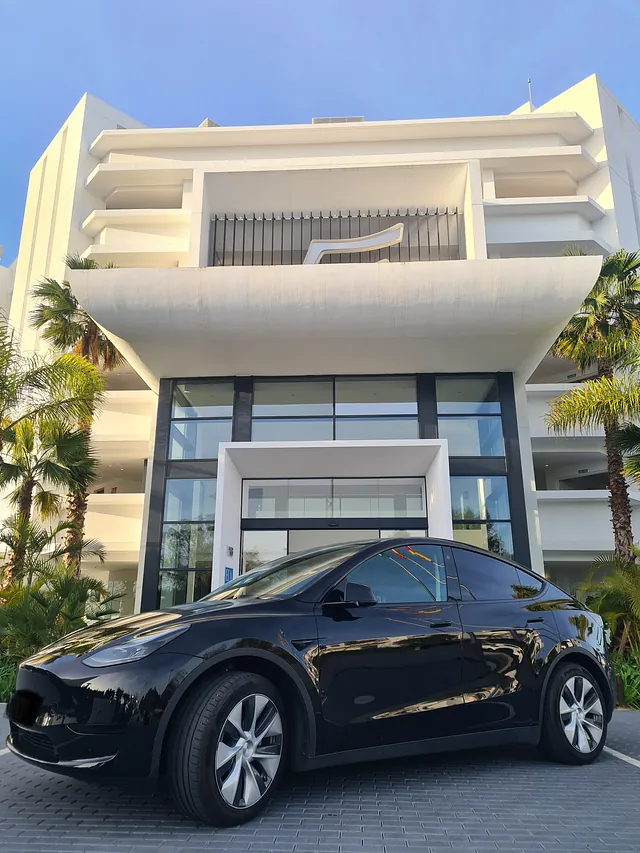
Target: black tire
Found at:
x=193, y=745
x=554, y=742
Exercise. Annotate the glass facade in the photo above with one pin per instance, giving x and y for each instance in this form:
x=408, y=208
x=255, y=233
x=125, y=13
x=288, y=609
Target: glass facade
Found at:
x=342, y=408
x=469, y=411
x=469, y=415
x=201, y=417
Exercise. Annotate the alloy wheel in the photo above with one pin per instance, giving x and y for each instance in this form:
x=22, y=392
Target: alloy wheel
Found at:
x=581, y=714
x=249, y=751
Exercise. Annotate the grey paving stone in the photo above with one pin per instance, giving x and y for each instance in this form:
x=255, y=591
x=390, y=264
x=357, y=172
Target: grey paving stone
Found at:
x=497, y=800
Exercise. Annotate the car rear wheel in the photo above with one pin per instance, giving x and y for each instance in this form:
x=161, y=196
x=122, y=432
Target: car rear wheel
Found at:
x=226, y=751
x=574, y=724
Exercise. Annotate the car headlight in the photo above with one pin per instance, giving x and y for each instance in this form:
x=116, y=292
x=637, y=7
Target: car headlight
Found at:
x=133, y=648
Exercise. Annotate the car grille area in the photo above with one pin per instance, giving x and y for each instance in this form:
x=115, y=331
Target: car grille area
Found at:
x=32, y=744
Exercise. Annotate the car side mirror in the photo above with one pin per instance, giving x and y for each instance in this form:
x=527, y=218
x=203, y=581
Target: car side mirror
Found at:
x=359, y=594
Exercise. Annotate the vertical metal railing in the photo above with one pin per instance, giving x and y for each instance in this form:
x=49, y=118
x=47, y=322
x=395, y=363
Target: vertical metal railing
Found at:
x=283, y=238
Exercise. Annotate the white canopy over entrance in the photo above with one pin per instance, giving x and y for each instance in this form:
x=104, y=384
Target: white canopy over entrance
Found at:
x=240, y=461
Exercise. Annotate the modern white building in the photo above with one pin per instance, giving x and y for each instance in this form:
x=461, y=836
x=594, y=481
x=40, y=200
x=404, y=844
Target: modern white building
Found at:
x=272, y=404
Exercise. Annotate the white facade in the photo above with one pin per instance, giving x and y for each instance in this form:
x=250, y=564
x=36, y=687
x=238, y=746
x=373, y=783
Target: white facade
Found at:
x=525, y=186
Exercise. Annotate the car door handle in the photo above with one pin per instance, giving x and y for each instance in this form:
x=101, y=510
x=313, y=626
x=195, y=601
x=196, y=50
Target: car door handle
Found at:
x=440, y=625
x=535, y=619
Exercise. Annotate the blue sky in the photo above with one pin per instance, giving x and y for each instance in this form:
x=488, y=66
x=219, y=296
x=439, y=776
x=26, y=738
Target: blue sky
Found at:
x=174, y=62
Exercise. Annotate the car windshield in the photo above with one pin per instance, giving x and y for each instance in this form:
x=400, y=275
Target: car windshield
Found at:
x=285, y=575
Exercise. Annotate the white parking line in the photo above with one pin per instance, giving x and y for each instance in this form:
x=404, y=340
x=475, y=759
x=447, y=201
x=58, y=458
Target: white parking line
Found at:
x=4, y=751
x=622, y=756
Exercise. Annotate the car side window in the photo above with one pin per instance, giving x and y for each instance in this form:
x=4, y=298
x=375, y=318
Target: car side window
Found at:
x=530, y=585
x=406, y=575
x=485, y=578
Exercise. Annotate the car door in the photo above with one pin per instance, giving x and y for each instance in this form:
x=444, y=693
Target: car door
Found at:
x=391, y=671
x=508, y=628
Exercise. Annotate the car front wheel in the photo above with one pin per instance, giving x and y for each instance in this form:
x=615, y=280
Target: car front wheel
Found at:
x=574, y=724
x=226, y=749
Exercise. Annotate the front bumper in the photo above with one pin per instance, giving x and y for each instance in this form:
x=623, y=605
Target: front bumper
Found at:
x=15, y=740
x=69, y=719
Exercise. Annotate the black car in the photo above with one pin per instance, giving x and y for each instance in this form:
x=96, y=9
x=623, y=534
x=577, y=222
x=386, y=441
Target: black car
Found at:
x=342, y=654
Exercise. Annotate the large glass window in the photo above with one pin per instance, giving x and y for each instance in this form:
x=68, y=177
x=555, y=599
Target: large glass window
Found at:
x=182, y=587
x=292, y=429
x=203, y=400
x=402, y=497
x=467, y=395
x=187, y=546
x=367, y=408
x=201, y=419
x=469, y=415
x=190, y=500
x=376, y=409
x=375, y=429
x=492, y=536
x=260, y=547
x=292, y=399
x=479, y=498
x=472, y=436
x=197, y=439
x=373, y=396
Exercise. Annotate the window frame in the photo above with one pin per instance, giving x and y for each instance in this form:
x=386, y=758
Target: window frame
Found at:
x=492, y=556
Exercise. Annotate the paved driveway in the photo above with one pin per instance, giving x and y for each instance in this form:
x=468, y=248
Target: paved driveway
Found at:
x=506, y=800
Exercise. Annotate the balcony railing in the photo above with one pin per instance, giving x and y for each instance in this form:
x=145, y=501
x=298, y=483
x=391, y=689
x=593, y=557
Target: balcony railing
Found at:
x=266, y=239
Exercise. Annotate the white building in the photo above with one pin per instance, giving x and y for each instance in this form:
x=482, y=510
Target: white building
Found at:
x=349, y=398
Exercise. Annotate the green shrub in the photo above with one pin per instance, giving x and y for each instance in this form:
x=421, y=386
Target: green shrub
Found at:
x=627, y=668
x=8, y=670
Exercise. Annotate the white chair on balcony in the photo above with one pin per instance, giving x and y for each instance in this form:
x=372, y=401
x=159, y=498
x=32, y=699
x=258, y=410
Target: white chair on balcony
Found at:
x=367, y=243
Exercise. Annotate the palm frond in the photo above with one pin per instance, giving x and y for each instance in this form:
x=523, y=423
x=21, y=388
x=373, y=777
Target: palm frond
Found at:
x=594, y=403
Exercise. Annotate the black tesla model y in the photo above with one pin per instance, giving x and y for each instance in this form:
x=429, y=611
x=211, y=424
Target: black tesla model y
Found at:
x=343, y=654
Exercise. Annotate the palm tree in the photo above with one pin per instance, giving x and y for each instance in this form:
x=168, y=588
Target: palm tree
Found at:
x=44, y=390
x=32, y=616
x=617, y=598
x=603, y=332
x=42, y=460
x=41, y=548
x=67, y=326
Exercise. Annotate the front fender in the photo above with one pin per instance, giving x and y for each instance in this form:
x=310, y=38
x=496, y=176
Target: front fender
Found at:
x=300, y=682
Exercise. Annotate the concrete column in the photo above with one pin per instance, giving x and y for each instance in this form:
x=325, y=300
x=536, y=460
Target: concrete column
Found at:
x=528, y=477
x=488, y=184
x=474, y=228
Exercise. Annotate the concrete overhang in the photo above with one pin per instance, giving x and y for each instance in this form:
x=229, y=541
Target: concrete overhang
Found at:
x=440, y=316
x=570, y=126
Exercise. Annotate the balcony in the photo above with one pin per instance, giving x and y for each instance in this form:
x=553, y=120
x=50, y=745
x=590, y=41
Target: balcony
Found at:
x=539, y=398
x=116, y=521
x=518, y=227
x=575, y=526
x=279, y=239
x=122, y=428
x=139, y=238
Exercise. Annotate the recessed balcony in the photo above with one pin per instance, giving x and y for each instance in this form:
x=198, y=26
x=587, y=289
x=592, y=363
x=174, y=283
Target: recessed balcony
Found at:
x=138, y=238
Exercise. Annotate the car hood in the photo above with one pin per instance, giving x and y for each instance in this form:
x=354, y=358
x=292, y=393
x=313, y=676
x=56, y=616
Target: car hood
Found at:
x=89, y=639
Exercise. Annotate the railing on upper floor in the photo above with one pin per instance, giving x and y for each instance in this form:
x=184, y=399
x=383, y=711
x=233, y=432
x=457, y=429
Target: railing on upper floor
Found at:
x=265, y=239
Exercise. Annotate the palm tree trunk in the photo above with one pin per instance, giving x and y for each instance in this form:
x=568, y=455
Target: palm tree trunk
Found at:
x=14, y=567
x=76, y=514
x=618, y=489
x=77, y=501
x=619, y=498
